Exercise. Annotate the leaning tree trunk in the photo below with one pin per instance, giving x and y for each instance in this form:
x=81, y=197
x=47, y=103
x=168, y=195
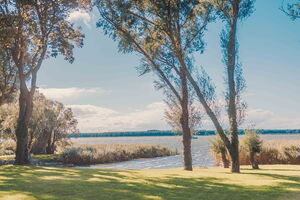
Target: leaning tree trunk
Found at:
x=253, y=161
x=184, y=120
x=25, y=111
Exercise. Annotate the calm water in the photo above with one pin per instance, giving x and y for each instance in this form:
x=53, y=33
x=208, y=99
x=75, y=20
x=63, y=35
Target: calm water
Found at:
x=200, y=150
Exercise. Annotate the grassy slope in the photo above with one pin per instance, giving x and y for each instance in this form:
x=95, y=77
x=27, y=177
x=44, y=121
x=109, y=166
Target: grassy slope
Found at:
x=31, y=182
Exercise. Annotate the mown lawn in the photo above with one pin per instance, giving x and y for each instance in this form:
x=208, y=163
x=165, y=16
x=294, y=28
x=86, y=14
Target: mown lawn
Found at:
x=281, y=182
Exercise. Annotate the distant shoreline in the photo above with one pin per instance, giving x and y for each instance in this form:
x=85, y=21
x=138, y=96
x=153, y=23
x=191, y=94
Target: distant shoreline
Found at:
x=171, y=133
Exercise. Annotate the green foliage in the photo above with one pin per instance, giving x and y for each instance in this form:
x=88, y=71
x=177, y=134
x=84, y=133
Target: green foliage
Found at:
x=164, y=33
x=40, y=25
x=224, y=8
x=8, y=76
x=292, y=9
x=50, y=124
x=47, y=158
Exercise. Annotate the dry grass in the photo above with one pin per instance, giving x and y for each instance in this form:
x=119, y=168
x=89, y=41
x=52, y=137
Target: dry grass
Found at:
x=273, y=152
x=107, y=153
x=91, y=154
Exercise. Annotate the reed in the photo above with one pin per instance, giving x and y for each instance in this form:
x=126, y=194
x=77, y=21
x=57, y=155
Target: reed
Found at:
x=272, y=152
x=108, y=153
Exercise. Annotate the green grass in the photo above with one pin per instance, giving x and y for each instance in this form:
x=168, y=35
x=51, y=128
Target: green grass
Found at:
x=47, y=157
x=281, y=182
x=42, y=158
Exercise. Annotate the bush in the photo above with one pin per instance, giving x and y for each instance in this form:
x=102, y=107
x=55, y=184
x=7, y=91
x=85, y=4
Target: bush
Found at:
x=293, y=154
x=252, y=144
x=7, y=148
x=219, y=151
x=107, y=153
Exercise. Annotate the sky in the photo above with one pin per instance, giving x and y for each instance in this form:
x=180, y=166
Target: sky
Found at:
x=105, y=92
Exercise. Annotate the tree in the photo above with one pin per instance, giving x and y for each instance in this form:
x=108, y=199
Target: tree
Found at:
x=165, y=33
x=173, y=114
x=49, y=126
x=230, y=12
x=252, y=144
x=32, y=31
x=65, y=124
x=292, y=9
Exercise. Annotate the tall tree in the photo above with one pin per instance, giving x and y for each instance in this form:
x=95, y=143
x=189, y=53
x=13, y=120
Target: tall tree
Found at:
x=165, y=33
x=34, y=30
x=230, y=12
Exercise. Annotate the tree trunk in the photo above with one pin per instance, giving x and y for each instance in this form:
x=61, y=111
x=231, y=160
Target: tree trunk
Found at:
x=235, y=161
x=231, y=65
x=253, y=162
x=50, y=144
x=39, y=147
x=224, y=159
x=186, y=132
x=187, y=153
x=25, y=111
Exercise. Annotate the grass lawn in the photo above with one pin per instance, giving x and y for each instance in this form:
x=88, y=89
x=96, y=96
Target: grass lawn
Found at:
x=281, y=182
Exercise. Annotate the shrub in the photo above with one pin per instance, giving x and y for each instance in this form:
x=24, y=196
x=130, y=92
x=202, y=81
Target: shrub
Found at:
x=280, y=152
x=252, y=144
x=107, y=153
x=7, y=147
x=293, y=154
x=219, y=151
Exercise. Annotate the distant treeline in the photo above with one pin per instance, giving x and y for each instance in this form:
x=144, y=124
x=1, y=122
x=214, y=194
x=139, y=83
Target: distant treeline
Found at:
x=171, y=133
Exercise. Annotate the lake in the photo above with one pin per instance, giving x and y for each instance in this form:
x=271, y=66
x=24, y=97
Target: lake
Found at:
x=200, y=150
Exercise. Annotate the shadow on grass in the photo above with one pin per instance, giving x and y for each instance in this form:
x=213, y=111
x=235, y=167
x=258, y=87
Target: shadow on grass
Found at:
x=271, y=169
x=73, y=184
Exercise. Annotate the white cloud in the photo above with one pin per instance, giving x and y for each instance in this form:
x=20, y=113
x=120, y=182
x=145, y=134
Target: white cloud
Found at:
x=60, y=94
x=80, y=16
x=269, y=120
x=93, y=118
x=259, y=115
x=98, y=119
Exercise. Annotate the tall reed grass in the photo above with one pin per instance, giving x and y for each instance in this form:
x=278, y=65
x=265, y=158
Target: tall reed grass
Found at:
x=273, y=152
x=108, y=153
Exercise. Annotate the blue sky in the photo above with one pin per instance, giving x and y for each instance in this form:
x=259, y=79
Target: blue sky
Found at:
x=106, y=94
